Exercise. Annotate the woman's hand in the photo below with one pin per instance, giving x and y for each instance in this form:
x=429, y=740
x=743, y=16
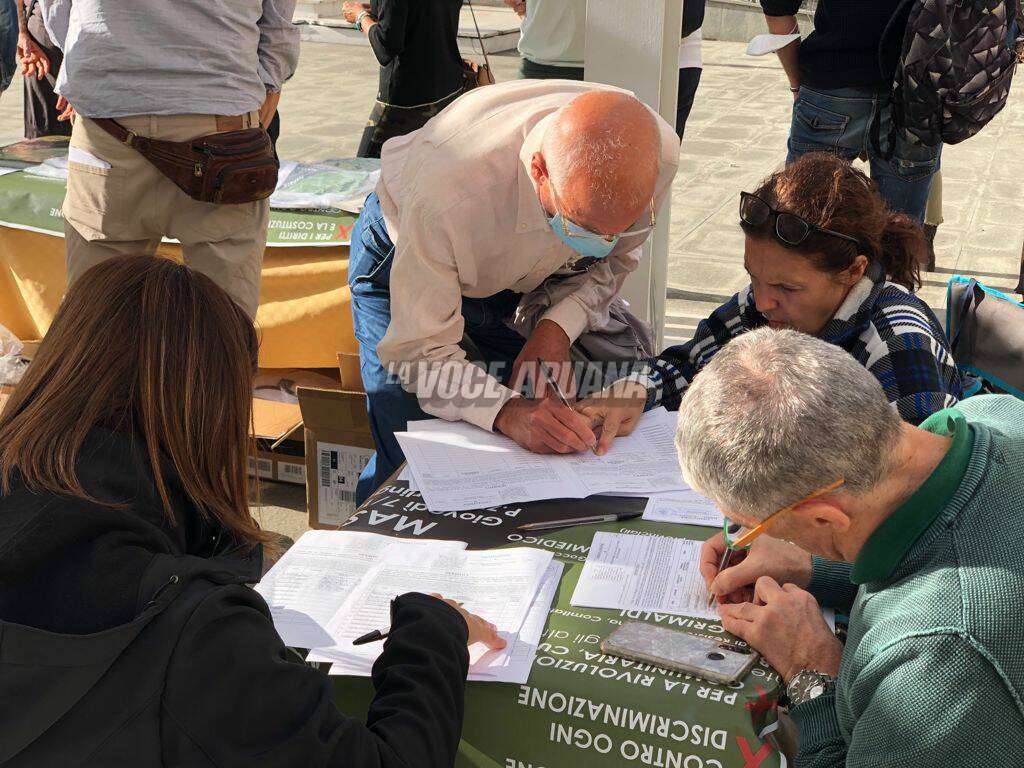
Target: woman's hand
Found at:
x=480, y=631
x=352, y=10
x=34, y=62
x=616, y=410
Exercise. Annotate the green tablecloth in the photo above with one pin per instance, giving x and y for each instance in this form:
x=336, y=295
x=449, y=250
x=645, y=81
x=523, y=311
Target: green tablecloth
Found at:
x=579, y=706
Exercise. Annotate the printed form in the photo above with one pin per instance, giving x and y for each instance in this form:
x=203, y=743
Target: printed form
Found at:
x=458, y=466
x=630, y=572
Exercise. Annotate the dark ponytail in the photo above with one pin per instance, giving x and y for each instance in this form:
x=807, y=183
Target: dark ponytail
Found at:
x=828, y=191
x=903, y=249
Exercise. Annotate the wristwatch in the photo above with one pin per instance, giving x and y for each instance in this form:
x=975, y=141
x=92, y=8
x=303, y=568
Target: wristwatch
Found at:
x=808, y=684
x=359, y=19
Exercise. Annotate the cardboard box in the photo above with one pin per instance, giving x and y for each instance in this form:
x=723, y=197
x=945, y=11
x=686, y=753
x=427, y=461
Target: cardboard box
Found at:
x=279, y=467
x=6, y=390
x=338, y=446
x=280, y=453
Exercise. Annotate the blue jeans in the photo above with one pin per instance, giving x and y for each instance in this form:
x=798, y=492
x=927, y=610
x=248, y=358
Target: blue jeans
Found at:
x=839, y=121
x=389, y=406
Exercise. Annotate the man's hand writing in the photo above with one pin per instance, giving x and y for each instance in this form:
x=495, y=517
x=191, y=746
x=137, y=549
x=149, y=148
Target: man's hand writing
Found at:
x=545, y=426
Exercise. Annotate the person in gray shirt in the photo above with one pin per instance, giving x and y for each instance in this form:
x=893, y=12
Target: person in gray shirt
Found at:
x=171, y=71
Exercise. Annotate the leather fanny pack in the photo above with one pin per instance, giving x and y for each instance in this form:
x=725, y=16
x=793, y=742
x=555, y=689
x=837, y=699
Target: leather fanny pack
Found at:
x=231, y=167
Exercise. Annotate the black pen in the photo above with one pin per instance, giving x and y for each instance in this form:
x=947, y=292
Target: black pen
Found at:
x=372, y=637
x=558, y=390
x=552, y=383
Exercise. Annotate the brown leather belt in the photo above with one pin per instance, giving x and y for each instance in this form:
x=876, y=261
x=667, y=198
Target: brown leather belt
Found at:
x=233, y=122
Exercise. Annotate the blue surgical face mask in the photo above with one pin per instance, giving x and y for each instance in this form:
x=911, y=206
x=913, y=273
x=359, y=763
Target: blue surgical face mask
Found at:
x=583, y=241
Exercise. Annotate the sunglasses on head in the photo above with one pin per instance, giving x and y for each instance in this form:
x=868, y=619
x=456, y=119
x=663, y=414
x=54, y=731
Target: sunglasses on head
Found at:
x=790, y=229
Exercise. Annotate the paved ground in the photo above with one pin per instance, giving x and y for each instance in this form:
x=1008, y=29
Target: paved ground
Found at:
x=736, y=135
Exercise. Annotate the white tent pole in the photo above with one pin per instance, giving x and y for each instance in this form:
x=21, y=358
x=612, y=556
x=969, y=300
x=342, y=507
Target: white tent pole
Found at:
x=635, y=45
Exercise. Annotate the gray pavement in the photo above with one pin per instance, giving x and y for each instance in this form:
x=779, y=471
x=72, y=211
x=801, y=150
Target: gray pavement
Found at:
x=736, y=135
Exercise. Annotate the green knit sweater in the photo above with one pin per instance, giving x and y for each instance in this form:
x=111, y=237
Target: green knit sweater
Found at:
x=933, y=670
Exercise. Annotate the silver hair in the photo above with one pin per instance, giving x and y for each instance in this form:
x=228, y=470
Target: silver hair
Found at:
x=599, y=158
x=775, y=416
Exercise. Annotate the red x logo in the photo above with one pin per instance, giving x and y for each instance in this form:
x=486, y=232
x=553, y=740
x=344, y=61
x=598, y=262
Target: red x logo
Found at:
x=750, y=759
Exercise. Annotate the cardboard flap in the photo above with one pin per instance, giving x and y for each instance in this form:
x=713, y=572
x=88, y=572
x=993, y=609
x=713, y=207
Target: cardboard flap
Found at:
x=332, y=410
x=348, y=370
x=275, y=421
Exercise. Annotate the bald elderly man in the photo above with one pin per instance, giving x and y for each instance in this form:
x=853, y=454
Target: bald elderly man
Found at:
x=509, y=186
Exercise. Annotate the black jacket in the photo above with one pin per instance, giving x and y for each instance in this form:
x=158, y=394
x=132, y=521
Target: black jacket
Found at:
x=855, y=43
x=125, y=641
x=416, y=44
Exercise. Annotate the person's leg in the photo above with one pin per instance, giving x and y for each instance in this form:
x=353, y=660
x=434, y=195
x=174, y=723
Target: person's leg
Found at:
x=109, y=194
x=8, y=42
x=81, y=254
x=369, y=145
x=689, y=79
x=41, y=101
x=225, y=243
x=933, y=218
x=905, y=179
x=830, y=121
x=389, y=407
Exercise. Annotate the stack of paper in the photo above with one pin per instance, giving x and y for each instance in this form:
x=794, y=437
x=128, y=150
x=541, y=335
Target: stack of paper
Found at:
x=457, y=466
x=308, y=585
x=511, y=664
x=333, y=586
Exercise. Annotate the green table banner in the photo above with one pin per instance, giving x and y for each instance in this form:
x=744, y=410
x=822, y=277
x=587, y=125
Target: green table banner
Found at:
x=34, y=203
x=580, y=706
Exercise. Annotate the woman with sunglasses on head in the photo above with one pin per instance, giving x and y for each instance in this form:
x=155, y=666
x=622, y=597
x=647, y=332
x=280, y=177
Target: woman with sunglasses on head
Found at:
x=825, y=257
x=130, y=637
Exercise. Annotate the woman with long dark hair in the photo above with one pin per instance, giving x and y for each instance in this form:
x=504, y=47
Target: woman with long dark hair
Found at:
x=421, y=69
x=129, y=635
x=826, y=257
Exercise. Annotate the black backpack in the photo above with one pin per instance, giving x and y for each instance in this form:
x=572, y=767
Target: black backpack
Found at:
x=958, y=58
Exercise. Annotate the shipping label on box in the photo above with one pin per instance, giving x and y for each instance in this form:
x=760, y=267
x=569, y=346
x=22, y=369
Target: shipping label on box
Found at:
x=338, y=446
x=291, y=472
x=261, y=467
x=340, y=466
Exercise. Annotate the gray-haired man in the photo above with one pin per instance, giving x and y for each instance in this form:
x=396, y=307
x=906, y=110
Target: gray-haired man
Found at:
x=933, y=669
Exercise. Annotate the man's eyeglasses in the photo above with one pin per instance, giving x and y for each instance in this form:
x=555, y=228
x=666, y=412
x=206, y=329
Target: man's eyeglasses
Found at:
x=737, y=537
x=790, y=229
x=572, y=229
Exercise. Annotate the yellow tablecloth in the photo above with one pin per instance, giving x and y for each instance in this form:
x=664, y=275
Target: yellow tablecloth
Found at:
x=304, y=317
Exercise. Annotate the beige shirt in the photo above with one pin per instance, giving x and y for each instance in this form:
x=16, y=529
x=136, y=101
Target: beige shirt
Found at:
x=463, y=213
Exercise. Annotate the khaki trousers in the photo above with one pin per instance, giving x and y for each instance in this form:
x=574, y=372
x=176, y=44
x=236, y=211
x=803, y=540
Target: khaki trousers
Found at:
x=128, y=207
